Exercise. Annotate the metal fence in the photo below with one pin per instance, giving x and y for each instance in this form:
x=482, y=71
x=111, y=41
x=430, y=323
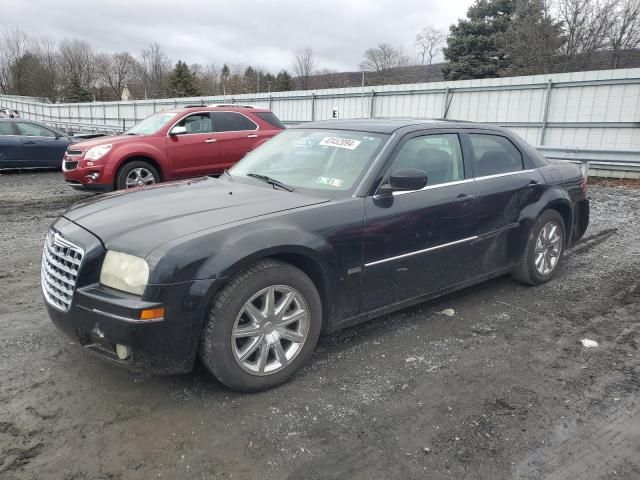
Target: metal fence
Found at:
x=582, y=115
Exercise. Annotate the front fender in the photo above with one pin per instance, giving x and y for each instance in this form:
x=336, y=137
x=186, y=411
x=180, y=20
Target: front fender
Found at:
x=137, y=150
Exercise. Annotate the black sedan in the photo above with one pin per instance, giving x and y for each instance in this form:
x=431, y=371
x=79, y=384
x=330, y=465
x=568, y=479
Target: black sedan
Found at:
x=25, y=144
x=324, y=226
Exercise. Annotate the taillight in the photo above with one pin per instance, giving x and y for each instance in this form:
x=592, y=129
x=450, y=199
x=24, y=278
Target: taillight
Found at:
x=584, y=168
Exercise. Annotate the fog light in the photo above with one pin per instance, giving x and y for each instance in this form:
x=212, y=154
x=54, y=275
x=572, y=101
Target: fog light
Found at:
x=122, y=351
x=93, y=176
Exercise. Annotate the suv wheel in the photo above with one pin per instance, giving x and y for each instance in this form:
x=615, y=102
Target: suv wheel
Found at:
x=136, y=174
x=543, y=251
x=262, y=328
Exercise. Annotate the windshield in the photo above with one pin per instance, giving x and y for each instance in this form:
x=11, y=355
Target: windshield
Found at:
x=323, y=160
x=151, y=124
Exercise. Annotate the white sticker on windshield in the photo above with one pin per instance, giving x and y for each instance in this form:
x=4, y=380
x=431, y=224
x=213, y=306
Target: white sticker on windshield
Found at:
x=340, y=142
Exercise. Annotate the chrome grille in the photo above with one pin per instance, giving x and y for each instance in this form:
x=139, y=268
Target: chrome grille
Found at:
x=61, y=262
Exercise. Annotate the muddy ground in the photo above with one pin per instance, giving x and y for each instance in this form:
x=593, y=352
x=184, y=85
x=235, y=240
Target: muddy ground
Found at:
x=502, y=389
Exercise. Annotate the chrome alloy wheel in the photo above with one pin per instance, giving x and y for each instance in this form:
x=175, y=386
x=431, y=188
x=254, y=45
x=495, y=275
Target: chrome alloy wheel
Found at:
x=138, y=177
x=548, y=248
x=270, y=330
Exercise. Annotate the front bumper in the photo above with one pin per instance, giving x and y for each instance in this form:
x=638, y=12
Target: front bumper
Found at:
x=83, y=175
x=100, y=318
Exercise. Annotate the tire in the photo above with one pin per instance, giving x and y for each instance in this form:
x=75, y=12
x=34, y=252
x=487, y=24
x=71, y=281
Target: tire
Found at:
x=529, y=271
x=130, y=169
x=239, y=307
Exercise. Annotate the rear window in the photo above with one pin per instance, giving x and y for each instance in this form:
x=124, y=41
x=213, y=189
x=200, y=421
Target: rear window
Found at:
x=232, y=122
x=270, y=118
x=495, y=155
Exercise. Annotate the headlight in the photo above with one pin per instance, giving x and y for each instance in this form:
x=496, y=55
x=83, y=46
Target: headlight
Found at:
x=94, y=153
x=124, y=272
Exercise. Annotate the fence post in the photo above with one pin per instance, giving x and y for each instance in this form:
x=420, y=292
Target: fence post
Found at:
x=270, y=102
x=545, y=112
x=313, y=106
x=445, y=105
x=372, y=108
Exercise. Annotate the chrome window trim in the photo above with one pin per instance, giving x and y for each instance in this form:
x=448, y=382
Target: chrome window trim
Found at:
x=466, y=180
x=506, y=174
x=424, y=250
x=213, y=123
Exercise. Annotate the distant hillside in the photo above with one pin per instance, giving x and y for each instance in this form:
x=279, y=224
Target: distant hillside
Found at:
x=433, y=73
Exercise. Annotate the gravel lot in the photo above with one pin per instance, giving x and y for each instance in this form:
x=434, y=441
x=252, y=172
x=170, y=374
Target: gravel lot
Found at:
x=502, y=389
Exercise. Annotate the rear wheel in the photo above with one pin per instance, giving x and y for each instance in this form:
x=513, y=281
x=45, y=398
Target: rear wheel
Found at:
x=262, y=328
x=543, y=251
x=136, y=174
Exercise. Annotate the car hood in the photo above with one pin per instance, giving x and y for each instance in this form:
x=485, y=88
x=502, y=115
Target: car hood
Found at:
x=113, y=140
x=138, y=221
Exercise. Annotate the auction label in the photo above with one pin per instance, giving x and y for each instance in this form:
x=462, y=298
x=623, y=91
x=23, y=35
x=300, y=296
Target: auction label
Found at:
x=340, y=142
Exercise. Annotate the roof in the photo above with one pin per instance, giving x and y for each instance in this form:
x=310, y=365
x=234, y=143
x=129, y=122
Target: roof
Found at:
x=389, y=125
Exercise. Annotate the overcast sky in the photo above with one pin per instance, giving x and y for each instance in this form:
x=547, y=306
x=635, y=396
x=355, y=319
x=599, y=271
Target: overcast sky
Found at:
x=260, y=32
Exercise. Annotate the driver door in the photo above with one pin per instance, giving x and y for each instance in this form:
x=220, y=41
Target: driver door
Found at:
x=194, y=152
x=417, y=242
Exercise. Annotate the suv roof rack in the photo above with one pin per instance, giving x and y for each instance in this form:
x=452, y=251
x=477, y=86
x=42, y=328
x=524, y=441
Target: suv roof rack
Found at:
x=195, y=105
x=230, y=105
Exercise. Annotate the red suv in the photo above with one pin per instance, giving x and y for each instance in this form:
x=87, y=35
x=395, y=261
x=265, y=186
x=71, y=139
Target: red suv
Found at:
x=169, y=145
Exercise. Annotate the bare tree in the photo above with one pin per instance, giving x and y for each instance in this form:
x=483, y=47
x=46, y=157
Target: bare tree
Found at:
x=116, y=70
x=303, y=66
x=383, y=58
x=77, y=65
x=13, y=45
x=586, y=26
x=429, y=43
x=624, y=32
x=156, y=67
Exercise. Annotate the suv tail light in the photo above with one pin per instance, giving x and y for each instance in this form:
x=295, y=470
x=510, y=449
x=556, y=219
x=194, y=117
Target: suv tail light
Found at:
x=584, y=168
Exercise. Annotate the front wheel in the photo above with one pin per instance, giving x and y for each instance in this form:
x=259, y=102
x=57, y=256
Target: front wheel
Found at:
x=263, y=327
x=136, y=174
x=543, y=251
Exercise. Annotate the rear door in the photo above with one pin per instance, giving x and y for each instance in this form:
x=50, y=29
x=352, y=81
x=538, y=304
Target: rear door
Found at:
x=11, y=152
x=420, y=241
x=195, y=152
x=505, y=186
x=42, y=147
x=236, y=135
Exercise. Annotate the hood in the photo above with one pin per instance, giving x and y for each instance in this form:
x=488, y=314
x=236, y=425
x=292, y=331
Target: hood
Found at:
x=138, y=221
x=114, y=140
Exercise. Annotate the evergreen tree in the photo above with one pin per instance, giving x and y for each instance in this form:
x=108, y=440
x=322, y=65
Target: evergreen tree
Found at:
x=474, y=48
x=283, y=82
x=182, y=82
x=76, y=92
x=533, y=40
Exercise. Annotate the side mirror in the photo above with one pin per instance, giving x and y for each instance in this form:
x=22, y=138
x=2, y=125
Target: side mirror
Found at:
x=407, y=179
x=178, y=130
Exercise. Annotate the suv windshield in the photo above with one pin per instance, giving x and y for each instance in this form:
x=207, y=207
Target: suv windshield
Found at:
x=323, y=160
x=151, y=124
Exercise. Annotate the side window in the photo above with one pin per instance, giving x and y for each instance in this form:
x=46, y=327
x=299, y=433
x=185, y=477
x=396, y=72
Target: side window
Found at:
x=439, y=156
x=33, y=130
x=197, y=123
x=232, y=122
x=495, y=154
x=5, y=128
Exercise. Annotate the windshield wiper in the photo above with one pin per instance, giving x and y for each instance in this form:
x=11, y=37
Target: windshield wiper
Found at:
x=271, y=181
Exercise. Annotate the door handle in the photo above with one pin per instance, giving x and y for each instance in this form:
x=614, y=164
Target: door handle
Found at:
x=533, y=183
x=210, y=140
x=253, y=135
x=463, y=198
x=30, y=142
